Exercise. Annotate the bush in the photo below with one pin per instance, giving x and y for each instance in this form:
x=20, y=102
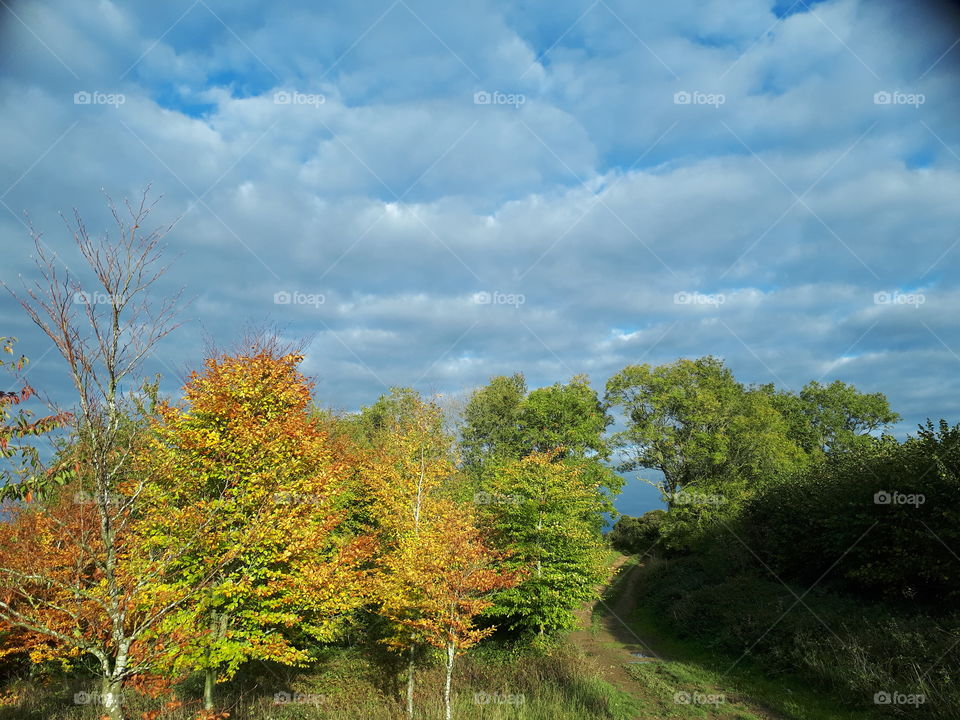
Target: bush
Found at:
x=633, y=535
x=884, y=514
x=857, y=651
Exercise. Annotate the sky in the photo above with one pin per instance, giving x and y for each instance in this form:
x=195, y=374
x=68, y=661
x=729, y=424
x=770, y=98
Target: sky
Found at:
x=434, y=193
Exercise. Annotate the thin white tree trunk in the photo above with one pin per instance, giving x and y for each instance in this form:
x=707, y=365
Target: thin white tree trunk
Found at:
x=451, y=654
x=410, y=669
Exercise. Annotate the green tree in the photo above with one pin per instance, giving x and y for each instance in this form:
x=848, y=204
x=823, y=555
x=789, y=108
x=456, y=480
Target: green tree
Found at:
x=699, y=427
x=544, y=515
x=834, y=417
x=633, y=535
x=491, y=422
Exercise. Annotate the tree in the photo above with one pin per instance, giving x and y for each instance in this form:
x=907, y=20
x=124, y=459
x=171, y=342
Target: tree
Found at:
x=544, y=514
x=244, y=449
x=103, y=336
x=437, y=581
x=407, y=461
x=635, y=535
x=502, y=421
x=832, y=418
x=567, y=418
x=491, y=422
x=699, y=427
x=21, y=479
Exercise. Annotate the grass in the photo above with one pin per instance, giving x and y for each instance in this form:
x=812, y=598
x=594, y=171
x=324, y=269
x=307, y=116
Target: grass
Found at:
x=549, y=683
x=691, y=672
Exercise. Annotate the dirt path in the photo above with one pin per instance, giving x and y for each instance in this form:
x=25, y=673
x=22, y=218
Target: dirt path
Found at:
x=605, y=635
x=610, y=641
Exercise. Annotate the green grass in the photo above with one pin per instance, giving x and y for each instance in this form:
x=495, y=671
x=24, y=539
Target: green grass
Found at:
x=691, y=668
x=550, y=683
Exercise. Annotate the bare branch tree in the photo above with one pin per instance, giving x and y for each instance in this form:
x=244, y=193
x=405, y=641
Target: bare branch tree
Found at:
x=104, y=332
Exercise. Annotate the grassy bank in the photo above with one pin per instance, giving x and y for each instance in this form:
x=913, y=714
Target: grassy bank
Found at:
x=829, y=659
x=555, y=683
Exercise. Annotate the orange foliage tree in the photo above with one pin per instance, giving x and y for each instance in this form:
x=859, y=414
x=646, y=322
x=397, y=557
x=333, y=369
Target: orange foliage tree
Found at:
x=438, y=580
x=244, y=450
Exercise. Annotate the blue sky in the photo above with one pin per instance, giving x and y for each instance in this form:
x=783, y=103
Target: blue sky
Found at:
x=775, y=183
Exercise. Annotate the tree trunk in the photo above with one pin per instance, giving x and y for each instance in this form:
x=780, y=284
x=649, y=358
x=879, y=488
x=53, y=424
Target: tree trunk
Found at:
x=451, y=654
x=410, y=668
x=110, y=697
x=209, y=681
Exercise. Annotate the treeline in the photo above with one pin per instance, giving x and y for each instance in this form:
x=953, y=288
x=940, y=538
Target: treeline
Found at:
x=797, y=535
x=242, y=523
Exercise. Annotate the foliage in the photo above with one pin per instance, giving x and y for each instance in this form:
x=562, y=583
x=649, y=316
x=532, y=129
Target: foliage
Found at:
x=885, y=512
x=243, y=452
x=637, y=535
x=544, y=514
x=834, y=417
x=24, y=477
x=693, y=421
x=503, y=422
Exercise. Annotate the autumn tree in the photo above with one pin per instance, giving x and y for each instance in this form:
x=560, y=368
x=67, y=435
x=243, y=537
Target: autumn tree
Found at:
x=19, y=424
x=103, y=331
x=243, y=449
x=407, y=462
x=437, y=581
